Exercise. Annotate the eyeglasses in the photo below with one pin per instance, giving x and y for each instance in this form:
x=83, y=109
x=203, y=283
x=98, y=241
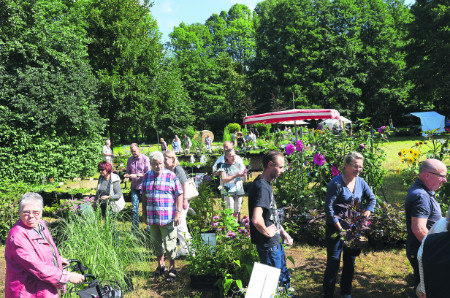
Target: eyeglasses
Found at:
x=437, y=174
x=29, y=212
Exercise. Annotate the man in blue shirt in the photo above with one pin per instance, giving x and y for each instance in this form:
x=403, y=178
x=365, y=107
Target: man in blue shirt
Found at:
x=422, y=209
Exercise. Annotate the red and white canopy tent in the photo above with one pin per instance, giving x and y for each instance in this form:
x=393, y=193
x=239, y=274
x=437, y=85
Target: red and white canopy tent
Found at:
x=289, y=115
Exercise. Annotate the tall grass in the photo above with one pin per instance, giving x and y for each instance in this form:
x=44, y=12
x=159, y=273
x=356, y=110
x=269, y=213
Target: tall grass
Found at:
x=110, y=254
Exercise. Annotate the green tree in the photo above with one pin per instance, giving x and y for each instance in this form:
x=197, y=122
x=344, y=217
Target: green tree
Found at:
x=128, y=59
x=428, y=55
x=333, y=54
x=50, y=126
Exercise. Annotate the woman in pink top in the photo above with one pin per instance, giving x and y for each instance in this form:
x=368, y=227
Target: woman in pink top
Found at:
x=33, y=263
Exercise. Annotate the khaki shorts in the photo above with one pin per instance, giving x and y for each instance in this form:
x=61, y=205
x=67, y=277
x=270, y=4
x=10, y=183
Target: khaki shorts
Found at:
x=164, y=238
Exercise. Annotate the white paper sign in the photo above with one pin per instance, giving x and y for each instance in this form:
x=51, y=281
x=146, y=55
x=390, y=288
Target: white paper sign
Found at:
x=263, y=282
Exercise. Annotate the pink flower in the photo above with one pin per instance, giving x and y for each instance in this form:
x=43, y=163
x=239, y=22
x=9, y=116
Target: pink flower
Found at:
x=290, y=149
x=381, y=129
x=319, y=159
x=299, y=145
x=334, y=170
x=361, y=146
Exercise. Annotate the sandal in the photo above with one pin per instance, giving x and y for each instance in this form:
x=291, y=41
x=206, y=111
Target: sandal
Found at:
x=172, y=275
x=160, y=271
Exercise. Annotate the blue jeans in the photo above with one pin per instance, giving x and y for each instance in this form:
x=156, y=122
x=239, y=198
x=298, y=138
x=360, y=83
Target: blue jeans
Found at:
x=275, y=257
x=335, y=246
x=135, y=199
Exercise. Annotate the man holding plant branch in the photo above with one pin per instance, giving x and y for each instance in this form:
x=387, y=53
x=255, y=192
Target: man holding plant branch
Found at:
x=162, y=202
x=265, y=227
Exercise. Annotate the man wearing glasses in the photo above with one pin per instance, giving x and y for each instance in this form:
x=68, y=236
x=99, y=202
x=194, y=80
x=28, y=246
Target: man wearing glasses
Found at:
x=421, y=208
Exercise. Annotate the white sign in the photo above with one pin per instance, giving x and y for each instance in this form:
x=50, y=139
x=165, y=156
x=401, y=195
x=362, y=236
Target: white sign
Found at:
x=263, y=282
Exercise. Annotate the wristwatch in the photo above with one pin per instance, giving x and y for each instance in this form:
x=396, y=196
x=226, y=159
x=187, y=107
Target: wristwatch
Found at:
x=179, y=210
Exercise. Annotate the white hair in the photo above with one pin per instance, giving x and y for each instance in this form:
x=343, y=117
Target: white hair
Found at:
x=31, y=197
x=156, y=155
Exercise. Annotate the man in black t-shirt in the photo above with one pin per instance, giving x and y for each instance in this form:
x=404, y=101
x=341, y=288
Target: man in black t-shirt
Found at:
x=265, y=227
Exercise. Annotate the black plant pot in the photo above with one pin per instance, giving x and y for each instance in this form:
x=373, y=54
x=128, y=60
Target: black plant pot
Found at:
x=204, y=282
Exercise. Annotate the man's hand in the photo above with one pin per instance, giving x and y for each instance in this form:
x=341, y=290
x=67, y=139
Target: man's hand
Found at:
x=367, y=213
x=65, y=262
x=271, y=231
x=75, y=278
x=102, y=198
x=287, y=239
x=185, y=204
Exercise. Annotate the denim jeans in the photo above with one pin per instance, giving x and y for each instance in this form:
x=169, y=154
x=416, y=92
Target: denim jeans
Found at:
x=135, y=199
x=335, y=246
x=275, y=257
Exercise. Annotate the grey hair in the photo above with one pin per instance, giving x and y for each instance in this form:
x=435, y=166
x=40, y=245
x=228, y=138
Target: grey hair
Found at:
x=31, y=197
x=352, y=156
x=134, y=145
x=156, y=155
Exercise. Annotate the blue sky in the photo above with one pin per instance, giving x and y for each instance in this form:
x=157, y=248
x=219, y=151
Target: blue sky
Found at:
x=170, y=13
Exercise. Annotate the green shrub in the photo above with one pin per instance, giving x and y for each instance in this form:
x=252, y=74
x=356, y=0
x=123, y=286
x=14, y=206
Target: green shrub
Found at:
x=226, y=135
x=233, y=127
x=388, y=226
x=263, y=129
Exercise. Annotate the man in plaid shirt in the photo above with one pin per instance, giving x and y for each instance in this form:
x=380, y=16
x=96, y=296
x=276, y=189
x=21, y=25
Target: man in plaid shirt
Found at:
x=162, y=203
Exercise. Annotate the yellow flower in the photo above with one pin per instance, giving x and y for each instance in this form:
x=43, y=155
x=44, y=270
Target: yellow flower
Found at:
x=411, y=160
x=417, y=144
x=399, y=171
x=404, y=151
x=421, y=143
x=400, y=154
x=416, y=154
x=410, y=151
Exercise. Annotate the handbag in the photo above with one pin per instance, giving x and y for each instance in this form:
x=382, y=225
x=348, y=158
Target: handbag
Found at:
x=191, y=189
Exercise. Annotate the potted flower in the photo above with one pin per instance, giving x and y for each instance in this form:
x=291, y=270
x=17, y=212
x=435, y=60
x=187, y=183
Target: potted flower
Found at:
x=354, y=225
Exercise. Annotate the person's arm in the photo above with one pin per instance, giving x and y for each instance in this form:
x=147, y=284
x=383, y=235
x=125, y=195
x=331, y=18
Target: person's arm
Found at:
x=226, y=179
x=419, y=227
x=421, y=286
x=25, y=255
x=286, y=237
x=372, y=200
x=144, y=207
x=179, y=202
x=258, y=222
x=330, y=199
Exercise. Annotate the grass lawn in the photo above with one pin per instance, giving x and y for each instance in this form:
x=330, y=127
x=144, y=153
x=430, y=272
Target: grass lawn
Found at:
x=377, y=274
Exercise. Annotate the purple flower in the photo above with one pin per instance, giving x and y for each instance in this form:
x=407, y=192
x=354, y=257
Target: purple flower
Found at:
x=215, y=224
x=207, y=178
x=299, y=145
x=361, y=146
x=381, y=129
x=216, y=217
x=319, y=159
x=334, y=170
x=231, y=234
x=290, y=149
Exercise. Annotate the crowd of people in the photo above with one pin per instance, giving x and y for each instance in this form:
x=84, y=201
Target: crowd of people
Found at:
x=35, y=268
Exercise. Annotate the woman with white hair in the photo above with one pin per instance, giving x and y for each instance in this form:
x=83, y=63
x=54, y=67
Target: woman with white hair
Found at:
x=34, y=267
x=171, y=163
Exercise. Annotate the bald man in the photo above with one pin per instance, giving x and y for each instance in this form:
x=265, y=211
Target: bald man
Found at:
x=422, y=209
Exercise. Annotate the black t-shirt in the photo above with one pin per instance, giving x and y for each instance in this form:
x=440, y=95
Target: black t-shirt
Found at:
x=261, y=195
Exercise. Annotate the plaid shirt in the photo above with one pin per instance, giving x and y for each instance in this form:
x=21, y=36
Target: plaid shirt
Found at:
x=161, y=193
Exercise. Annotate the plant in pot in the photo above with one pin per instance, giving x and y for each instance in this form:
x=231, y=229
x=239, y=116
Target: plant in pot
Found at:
x=228, y=263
